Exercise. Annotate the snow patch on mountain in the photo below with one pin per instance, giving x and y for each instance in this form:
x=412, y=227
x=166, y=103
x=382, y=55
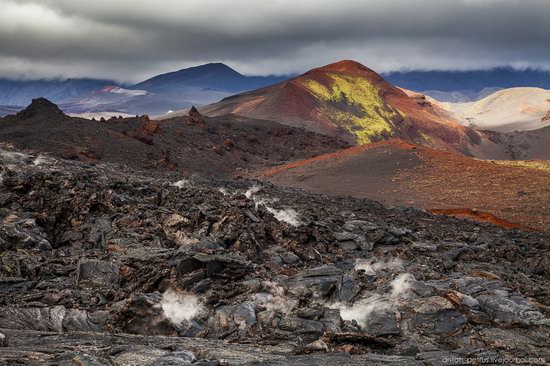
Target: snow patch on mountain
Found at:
x=119, y=90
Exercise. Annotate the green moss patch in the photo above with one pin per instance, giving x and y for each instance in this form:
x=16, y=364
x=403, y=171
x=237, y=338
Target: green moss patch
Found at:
x=368, y=118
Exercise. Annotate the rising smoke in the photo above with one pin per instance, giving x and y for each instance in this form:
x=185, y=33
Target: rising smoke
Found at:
x=373, y=266
x=360, y=311
x=179, y=307
x=287, y=215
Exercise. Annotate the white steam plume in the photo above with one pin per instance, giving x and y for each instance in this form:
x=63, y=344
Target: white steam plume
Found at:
x=41, y=159
x=372, y=267
x=251, y=191
x=362, y=310
x=183, y=183
x=401, y=285
x=179, y=307
x=13, y=157
x=223, y=191
x=287, y=215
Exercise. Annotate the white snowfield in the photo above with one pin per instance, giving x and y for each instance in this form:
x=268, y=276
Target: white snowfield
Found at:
x=118, y=90
x=514, y=109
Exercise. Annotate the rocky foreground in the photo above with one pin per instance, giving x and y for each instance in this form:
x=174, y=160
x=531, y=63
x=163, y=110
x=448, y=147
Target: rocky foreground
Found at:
x=105, y=266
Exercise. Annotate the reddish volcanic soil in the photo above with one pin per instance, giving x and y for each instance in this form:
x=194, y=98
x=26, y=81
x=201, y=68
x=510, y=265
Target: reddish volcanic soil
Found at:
x=399, y=173
x=479, y=216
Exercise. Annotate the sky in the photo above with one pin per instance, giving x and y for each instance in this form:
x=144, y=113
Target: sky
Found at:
x=131, y=40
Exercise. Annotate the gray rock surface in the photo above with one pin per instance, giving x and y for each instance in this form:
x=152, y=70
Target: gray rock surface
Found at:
x=102, y=265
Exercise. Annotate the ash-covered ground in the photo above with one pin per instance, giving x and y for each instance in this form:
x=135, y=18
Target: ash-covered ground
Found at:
x=102, y=265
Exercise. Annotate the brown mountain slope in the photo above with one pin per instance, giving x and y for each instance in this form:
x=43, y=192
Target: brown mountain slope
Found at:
x=399, y=173
x=521, y=145
x=349, y=100
x=219, y=146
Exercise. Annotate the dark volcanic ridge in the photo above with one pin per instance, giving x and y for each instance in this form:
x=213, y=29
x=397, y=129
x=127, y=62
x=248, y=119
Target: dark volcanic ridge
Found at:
x=220, y=146
x=103, y=265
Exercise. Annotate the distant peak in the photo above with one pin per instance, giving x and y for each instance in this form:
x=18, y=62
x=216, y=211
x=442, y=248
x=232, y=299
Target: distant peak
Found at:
x=346, y=66
x=216, y=64
x=40, y=106
x=213, y=66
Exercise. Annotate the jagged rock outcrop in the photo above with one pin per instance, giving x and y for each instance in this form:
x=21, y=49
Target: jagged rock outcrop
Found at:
x=40, y=106
x=195, y=117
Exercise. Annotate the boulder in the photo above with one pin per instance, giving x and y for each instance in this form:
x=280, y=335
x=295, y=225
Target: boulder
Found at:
x=316, y=346
x=20, y=232
x=97, y=273
x=231, y=319
x=47, y=319
x=382, y=322
x=289, y=258
x=505, y=308
x=142, y=314
x=308, y=329
x=327, y=282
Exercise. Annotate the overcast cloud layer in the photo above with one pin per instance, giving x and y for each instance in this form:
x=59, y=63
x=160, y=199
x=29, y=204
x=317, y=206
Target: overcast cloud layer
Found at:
x=130, y=40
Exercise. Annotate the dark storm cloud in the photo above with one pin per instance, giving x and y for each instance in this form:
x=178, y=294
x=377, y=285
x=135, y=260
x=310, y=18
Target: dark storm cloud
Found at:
x=130, y=40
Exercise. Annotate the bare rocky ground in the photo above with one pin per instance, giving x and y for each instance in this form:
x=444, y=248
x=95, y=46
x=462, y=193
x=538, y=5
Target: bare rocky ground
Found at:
x=102, y=265
x=218, y=147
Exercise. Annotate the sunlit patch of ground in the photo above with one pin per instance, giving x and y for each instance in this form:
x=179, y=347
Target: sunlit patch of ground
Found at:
x=543, y=165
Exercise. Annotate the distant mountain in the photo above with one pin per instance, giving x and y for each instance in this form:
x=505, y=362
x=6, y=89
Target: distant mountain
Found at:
x=505, y=77
x=349, y=100
x=213, y=76
x=460, y=96
x=172, y=91
x=22, y=92
x=506, y=110
x=468, y=84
